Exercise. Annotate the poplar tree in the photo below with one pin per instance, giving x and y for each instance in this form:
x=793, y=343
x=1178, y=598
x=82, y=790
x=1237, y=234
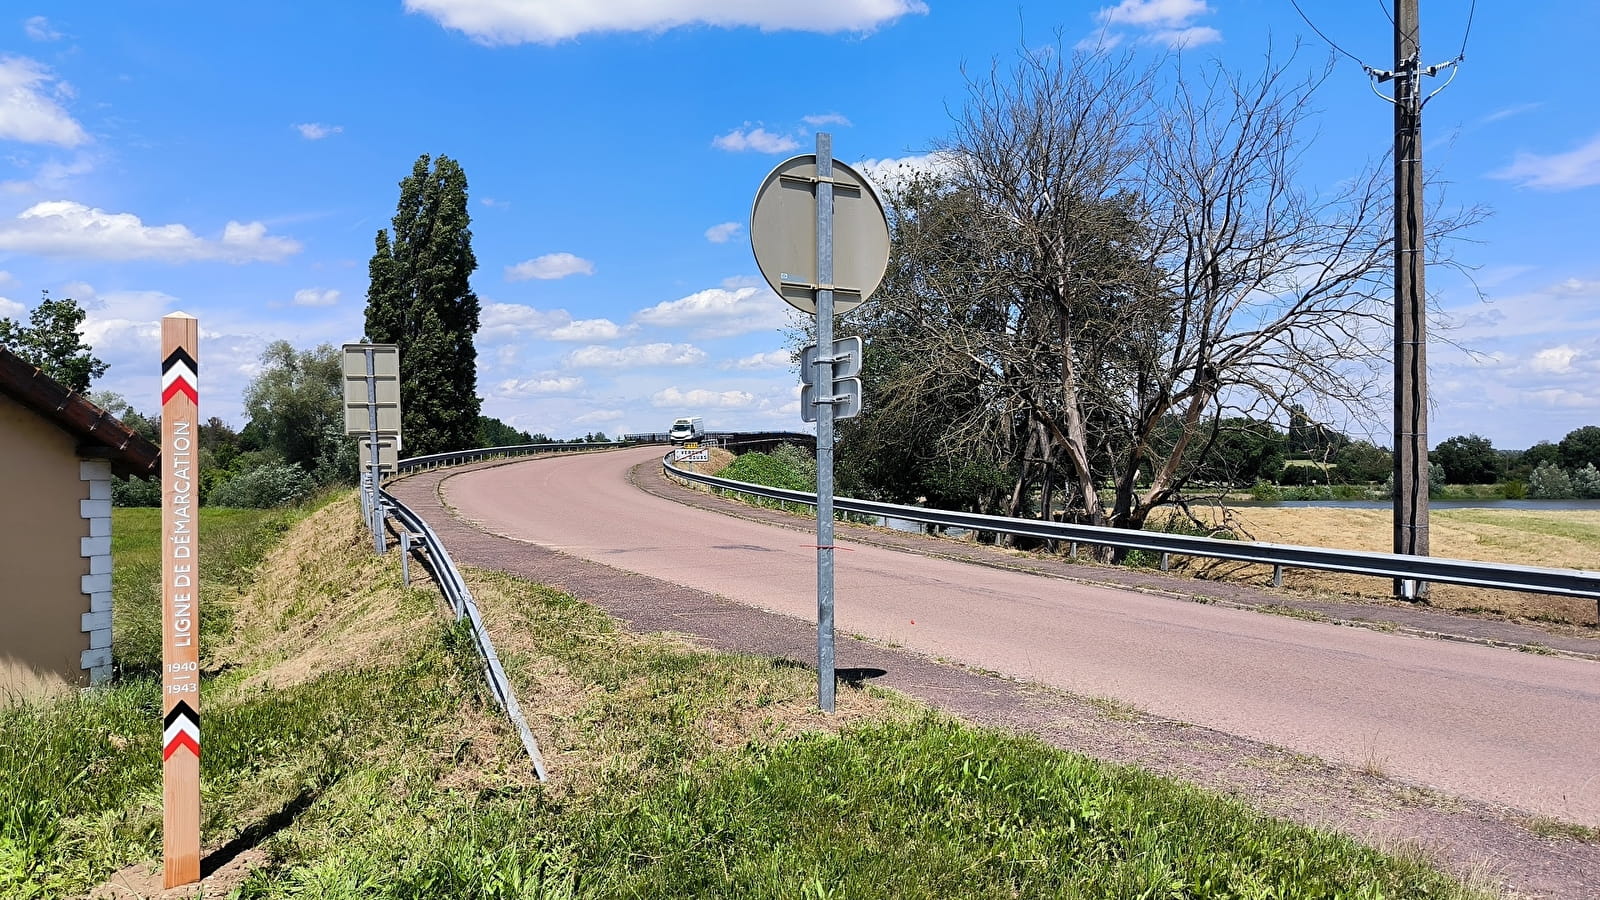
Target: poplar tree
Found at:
x=419, y=298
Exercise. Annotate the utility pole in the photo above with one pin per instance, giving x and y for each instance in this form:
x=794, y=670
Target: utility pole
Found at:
x=1410, y=301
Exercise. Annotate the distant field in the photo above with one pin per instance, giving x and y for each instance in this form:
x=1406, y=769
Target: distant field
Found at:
x=1556, y=538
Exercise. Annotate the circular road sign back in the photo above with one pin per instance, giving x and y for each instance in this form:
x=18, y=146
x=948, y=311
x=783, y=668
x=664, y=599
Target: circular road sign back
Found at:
x=783, y=233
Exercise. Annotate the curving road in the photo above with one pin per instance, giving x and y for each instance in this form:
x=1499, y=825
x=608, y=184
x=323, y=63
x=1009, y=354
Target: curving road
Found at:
x=1496, y=725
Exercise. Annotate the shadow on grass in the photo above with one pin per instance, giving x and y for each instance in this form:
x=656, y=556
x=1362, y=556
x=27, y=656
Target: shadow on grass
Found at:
x=252, y=836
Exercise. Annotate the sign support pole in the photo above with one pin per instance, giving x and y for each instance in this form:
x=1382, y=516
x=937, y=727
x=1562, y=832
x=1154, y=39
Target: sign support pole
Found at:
x=824, y=382
x=378, y=543
x=180, y=599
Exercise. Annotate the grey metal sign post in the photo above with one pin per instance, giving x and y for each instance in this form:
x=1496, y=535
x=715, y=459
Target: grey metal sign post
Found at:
x=804, y=276
x=372, y=409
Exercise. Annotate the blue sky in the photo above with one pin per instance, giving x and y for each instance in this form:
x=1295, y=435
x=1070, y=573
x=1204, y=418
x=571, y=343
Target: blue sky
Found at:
x=235, y=161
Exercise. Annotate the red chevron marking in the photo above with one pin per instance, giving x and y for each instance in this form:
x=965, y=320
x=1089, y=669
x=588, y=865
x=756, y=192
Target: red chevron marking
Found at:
x=181, y=739
x=179, y=386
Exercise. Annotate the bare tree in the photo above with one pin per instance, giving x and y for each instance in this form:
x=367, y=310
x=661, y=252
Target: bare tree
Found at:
x=1119, y=260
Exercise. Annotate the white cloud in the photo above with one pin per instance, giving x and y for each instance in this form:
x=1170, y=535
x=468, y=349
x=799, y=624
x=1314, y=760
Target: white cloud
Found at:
x=721, y=234
x=1180, y=38
x=1147, y=13
x=776, y=359
x=826, y=119
x=1554, y=360
x=586, y=330
x=1158, y=22
x=316, y=297
x=550, y=266
x=1507, y=112
x=719, y=312
x=759, y=140
x=501, y=322
x=38, y=28
x=549, y=21
x=316, y=131
x=1576, y=287
x=511, y=321
x=52, y=175
x=1576, y=168
x=894, y=174
x=701, y=399
x=65, y=228
x=26, y=114
x=636, y=356
x=496, y=204
x=11, y=309
x=124, y=322
x=599, y=416
x=7, y=279
x=544, y=386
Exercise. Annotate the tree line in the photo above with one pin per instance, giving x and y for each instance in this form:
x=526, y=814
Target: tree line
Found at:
x=293, y=443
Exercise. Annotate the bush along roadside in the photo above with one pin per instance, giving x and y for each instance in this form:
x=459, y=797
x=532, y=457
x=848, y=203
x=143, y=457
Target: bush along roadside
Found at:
x=351, y=752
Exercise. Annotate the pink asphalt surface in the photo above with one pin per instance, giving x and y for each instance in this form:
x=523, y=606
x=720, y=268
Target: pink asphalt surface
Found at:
x=1491, y=724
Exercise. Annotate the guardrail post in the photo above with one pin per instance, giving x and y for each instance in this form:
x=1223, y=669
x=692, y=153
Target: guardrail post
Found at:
x=1277, y=576
x=1166, y=561
x=405, y=558
x=1072, y=551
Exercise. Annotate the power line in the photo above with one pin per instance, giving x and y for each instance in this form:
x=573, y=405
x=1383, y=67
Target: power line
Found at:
x=1326, y=38
x=1386, y=14
x=1470, y=13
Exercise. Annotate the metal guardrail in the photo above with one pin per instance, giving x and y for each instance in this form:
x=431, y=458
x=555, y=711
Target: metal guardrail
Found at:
x=1561, y=582
x=444, y=572
x=462, y=456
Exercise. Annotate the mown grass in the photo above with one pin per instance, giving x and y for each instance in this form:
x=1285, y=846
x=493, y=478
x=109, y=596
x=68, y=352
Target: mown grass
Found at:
x=678, y=772
x=1536, y=522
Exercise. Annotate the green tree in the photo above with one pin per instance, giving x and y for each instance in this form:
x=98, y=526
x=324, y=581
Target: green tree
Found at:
x=53, y=341
x=1468, y=459
x=297, y=406
x=494, y=433
x=1360, y=462
x=1581, y=447
x=419, y=298
x=1242, y=452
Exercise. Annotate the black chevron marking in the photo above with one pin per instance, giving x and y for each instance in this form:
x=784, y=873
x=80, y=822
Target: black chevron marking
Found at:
x=176, y=355
x=182, y=709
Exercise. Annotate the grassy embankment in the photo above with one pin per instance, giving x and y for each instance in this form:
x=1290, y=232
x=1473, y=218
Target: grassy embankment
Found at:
x=351, y=751
x=1551, y=538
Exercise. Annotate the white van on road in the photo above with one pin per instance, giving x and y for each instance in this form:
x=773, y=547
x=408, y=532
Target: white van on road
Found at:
x=689, y=428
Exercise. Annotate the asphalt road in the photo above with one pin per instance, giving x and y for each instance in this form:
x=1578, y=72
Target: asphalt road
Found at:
x=1501, y=726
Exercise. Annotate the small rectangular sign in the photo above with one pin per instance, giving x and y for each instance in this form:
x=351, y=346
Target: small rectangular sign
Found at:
x=388, y=452
x=847, y=406
x=849, y=366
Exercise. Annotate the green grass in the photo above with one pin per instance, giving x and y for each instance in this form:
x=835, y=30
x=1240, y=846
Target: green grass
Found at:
x=233, y=541
x=678, y=773
x=1518, y=520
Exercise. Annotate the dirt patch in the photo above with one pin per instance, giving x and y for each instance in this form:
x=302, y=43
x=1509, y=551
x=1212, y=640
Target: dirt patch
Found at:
x=142, y=881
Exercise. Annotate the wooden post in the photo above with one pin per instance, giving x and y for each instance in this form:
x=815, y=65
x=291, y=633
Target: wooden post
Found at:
x=180, y=599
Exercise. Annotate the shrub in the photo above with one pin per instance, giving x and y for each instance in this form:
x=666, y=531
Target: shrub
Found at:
x=1586, y=482
x=136, y=492
x=263, y=487
x=1550, y=482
